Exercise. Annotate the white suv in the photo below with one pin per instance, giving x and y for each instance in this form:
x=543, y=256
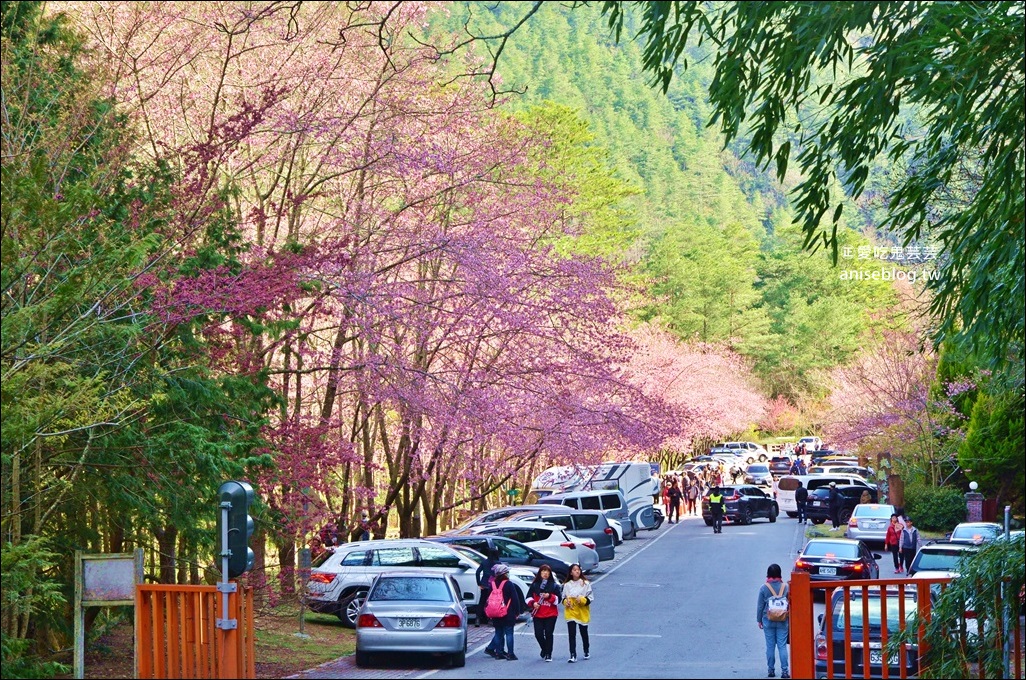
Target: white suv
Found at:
x=547, y=538
x=750, y=452
x=339, y=580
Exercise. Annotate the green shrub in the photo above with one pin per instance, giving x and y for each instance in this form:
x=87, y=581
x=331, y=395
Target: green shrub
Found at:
x=935, y=508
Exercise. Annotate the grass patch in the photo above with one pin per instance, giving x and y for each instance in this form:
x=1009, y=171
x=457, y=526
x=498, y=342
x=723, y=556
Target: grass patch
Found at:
x=278, y=640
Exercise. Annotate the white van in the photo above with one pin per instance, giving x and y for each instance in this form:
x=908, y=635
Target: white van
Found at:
x=787, y=484
x=637, y=481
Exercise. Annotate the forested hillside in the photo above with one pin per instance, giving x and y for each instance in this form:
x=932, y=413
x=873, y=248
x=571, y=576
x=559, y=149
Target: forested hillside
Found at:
x=713, y=242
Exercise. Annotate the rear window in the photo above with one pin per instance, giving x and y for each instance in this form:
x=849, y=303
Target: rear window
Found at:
x=756, y=468
x=586, y=521
x=894, y=606
x=941, y=560
x=828, y=549
x=976, y=532
x=787, y=484
x=780, y=459
x=873, y=510
x=417, y=589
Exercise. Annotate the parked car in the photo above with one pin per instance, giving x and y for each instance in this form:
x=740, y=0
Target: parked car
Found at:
x=787, y=484
x=590, y=524
x=513, y=553
x=837, y=559
x=818, y=507
x=550, y=539
x=742, y=504
x=869, y=521
x=749, y=451
x=940, y=559
x=610, y=501
x=975, y=533
x=780, y=465
x=827, y=468
x=811, y=443
x=412, y=612
x=340, y=579
x=489, y=516
x=759, y=474
x=866, y=631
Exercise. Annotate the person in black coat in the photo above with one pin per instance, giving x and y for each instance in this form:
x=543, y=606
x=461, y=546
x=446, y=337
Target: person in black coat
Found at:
x=484, y=582
x=801, y=499
x=504, y=624
x=835, y=505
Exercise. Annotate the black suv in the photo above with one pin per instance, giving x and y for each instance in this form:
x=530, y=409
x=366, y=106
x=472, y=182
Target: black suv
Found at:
x=742, y=503
x=780, y=465
x=818, y=508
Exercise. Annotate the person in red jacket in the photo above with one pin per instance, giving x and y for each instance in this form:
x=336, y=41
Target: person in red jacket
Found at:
x=892, y=539
x=542, y=601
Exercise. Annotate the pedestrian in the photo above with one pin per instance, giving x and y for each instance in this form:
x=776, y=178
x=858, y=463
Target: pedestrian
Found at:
x=693, y=491
x=772, y=613
x=543, y=599
x=909, y=543
x=892, y=542
x=716, y=508
x=484, y=584
x=503, y=624
x=835, y=505
x=666, y=496
x=316, y=547
x=865, y=498
x=577, y=599
x=365, y=526
x=675, y=497
x=801, y=499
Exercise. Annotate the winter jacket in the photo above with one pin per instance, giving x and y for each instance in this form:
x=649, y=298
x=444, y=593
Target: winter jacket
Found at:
x=893, y=535
x=547, y=594
x=577, y=599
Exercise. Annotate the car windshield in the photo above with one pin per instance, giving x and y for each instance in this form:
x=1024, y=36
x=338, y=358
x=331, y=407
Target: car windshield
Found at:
x=855, y=611
x=411, y=588
x=848, y=551
x=975, y=532
x=873, y=510
x=756, y=469
x=939, y=560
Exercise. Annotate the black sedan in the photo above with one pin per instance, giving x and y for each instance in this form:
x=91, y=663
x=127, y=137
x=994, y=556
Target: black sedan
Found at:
x=837, y=559
x=510, y=552
x=866, y=635
x=742, y=504
x=818, y=508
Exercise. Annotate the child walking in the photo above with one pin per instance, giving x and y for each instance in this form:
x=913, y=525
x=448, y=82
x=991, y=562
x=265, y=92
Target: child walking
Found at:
x=542, y=600
x=577, y=599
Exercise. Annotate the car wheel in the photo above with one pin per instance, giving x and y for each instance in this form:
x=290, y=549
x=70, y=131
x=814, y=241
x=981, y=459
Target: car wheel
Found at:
x=844, y=515
x=745, y=518
x=773, y=515
x=708, y=522
x=792, y=515
x=459, y=659
x=762, y=457
x=349, y=607
x=363, y=659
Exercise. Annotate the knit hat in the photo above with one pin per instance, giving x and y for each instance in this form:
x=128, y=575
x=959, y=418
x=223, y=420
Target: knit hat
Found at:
x=833, y=483
x=500, y=569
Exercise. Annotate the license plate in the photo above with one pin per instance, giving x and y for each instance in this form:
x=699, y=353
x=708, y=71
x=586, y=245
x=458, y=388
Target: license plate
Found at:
x=828, y=571
x=409, y=623
x=876, y=658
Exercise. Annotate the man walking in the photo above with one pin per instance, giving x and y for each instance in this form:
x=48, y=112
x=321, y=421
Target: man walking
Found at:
x=675, y=497
x=801, y=498
x=909, y=543
x=716, y=509
x=835, y=505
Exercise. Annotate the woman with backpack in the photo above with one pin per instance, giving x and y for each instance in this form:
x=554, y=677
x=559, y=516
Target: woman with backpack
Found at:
x=577, y=598
x=503, y=608
x=772, y=614
x=543, y=600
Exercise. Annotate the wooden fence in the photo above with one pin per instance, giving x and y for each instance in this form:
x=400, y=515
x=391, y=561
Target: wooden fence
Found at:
x=177, y=636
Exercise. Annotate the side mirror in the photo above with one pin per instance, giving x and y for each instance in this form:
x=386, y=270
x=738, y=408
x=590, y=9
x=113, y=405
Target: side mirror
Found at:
x=876, y=557
x=819, y=619
x=464, y=565
x=468, y=596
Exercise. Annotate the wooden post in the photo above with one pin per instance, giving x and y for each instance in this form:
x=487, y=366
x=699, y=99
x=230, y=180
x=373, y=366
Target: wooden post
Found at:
x=803, y=642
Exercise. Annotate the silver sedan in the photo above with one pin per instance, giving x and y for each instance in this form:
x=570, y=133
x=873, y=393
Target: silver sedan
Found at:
x=412, y=612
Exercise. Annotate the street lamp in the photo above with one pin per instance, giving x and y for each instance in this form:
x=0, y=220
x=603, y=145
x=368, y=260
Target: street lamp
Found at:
x=973, y=486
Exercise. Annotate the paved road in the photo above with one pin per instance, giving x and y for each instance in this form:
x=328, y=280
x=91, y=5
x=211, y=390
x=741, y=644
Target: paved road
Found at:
x=676, y=603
